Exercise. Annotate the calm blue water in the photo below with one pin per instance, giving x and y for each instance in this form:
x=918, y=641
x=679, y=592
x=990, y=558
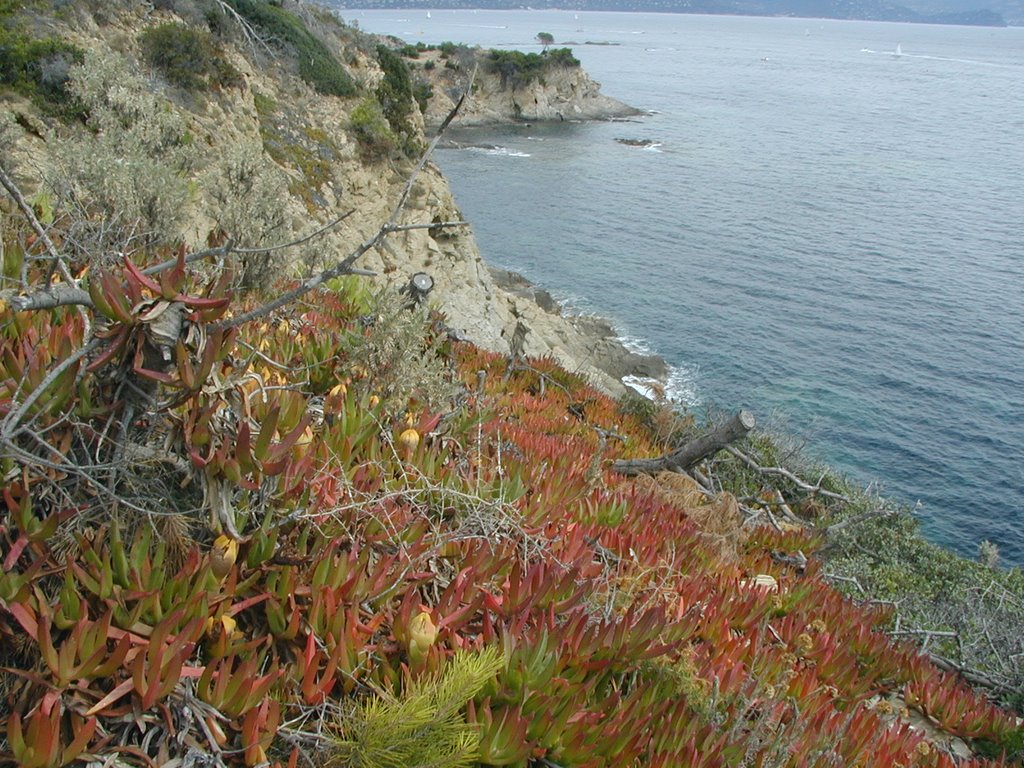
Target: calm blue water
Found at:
x=828, y=233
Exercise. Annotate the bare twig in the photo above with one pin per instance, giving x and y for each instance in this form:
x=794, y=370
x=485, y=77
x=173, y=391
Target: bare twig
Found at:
x=304, y=239
x=344, y=267
x=10, y=424
x=879, y=511
x=922, y=632
x=972, y=676
x=51, y=297
x=58, y=260
x=190, y=258
x=692, y=452
x=427, y=225
x=250, y=34
x=783, y=472
x=30, y=216
x=68, y=294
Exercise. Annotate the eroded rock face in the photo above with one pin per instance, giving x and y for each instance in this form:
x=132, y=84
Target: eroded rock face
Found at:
x=563, y=93
x=302, y=140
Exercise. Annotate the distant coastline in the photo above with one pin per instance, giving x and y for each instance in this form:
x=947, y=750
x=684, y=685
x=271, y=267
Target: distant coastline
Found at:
x=859, y=10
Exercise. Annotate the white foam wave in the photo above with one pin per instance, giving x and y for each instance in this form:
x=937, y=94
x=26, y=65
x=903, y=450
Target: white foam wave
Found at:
x=649, y=388
x=499, y=151
x=681, y=386
x=634, y=344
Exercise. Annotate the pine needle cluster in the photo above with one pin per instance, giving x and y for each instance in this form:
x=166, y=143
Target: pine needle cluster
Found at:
x=424, y=727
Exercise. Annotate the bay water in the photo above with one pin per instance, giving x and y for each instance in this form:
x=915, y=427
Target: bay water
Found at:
x=823, y=222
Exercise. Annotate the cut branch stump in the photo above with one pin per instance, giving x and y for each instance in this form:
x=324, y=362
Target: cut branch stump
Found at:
x=687, y=456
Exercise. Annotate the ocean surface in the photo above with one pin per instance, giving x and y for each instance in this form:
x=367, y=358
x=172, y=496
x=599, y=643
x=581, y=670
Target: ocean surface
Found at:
x=828, y=229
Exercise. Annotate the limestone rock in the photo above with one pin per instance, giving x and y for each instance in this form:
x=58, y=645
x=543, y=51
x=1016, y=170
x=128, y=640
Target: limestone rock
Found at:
x=563, y=93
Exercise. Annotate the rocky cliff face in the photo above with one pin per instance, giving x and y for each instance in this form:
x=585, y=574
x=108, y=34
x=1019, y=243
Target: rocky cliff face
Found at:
x=300, y=146
x=559, y=93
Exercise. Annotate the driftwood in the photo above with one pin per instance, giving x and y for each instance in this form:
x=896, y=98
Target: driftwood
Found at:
x=683, y=458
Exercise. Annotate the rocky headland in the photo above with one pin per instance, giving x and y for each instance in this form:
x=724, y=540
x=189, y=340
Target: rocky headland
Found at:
x=515, y=88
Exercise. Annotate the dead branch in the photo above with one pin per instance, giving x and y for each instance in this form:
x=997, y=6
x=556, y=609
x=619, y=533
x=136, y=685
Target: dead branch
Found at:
x=58, y=261
x=51, y=297
x=10, y=424
x=344, y=267
x=68, y=294
x=190, y=258
x=783, y=472
x=683, y=458
x=30, y=216
x=879, y=511
x=972, y=676
x=428, y=225
x=250, y=34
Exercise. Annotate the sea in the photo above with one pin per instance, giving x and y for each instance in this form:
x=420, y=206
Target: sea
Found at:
x=821, y=221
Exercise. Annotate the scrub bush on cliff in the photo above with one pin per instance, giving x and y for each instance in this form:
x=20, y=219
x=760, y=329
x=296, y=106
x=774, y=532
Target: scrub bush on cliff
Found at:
x=371, y=129
x=126, y=176
x=317, y=64
x=188, y=57
x=36, y=67
x=395, y=95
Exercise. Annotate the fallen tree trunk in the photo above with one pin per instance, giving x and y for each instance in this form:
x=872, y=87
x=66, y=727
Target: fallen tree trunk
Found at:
x=683, y=458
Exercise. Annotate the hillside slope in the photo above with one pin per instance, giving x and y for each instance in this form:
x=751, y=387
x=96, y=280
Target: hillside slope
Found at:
x=292, y=159
x=260, y=510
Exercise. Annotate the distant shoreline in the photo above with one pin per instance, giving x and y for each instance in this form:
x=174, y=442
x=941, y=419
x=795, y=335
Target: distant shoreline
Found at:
x=897, y=14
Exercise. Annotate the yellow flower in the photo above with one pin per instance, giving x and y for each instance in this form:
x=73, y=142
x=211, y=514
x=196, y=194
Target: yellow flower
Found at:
x=422, y=634
x=408, y=440
x=223, y=556
x=225, y=626
x=301, y=447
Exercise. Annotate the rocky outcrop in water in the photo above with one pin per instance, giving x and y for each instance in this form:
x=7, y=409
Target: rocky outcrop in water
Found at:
x=562, y=91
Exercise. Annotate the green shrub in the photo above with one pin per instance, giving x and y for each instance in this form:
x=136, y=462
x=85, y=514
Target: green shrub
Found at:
x=370, y=128
x=519, y=68
x=187, y=57
x=317, y=66
x=422, y=92
x=395, y=95
x=130, y=170
x=39, y=69
x=395, y=91
x=561, y=57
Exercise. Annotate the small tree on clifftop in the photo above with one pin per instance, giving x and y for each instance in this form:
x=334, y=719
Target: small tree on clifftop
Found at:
x=545, y=39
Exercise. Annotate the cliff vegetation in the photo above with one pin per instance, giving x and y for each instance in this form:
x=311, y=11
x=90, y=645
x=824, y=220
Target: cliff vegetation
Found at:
x=261, y=508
